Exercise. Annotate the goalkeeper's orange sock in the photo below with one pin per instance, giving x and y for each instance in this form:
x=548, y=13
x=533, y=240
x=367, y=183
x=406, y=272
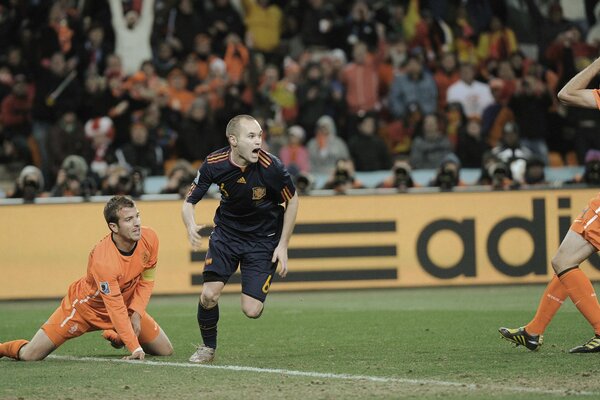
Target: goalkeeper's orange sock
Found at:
x=582, y=294
x=553, y=297
x=11, y=349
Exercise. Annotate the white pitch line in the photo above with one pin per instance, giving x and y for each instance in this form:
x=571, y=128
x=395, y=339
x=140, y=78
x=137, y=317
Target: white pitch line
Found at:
x=325, y=375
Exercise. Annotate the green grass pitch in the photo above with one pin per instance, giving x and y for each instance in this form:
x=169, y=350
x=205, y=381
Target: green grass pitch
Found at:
x=364, y=344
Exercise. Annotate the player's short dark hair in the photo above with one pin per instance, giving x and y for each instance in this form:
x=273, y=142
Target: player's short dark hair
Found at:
x=112, y=207
x=233, y=126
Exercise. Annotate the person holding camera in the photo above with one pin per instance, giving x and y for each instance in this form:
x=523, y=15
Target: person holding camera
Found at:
x=447, y=175
x=29, y=184
x=400, y=178
x=342, y=177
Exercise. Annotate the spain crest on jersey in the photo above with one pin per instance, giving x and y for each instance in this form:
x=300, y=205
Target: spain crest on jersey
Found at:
x=258, y=192
x=104, y=287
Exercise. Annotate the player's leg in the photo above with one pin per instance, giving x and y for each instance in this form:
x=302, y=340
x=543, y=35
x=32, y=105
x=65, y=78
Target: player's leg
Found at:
x=257, y=274
x=153, y=339
x=64, y=324
x=38, y=348
x=221, y=262
x=578, y=245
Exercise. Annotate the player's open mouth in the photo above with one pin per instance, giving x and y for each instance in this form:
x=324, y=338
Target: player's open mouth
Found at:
x=255, y=151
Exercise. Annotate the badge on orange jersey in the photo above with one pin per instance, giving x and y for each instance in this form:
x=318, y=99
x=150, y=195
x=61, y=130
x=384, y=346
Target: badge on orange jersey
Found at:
x=104, y=287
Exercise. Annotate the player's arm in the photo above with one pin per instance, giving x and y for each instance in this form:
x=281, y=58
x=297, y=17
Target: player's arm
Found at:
x=115, y=306
x=289, y=221
x=575, y=92
x=198, y=189
x=283, y=184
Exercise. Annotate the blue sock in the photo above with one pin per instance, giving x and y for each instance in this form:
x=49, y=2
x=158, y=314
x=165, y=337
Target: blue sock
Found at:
x=207, y=321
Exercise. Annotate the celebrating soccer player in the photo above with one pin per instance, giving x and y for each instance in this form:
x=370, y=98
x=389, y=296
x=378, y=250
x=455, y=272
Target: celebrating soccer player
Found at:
x=253, y=224
x=581, y=241
x=112, y=296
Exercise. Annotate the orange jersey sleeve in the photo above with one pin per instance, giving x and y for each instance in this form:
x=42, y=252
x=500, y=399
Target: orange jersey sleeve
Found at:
x=105, y=269
x=143, y=290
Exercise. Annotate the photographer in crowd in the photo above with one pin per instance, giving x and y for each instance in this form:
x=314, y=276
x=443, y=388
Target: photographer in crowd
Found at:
x=29, y=185
x=343, y=177
x=447, y=175
x=400, y=178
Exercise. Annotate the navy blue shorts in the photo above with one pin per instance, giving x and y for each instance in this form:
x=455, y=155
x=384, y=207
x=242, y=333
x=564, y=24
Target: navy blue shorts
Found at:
x=227, y=252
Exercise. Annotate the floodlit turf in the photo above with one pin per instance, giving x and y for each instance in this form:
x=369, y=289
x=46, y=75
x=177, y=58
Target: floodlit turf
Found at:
x=370, y=344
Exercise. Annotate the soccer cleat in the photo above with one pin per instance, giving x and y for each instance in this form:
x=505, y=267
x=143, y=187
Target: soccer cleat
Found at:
x=113, y=338
x=591, y=346
x=519, y=336
x=203, y=355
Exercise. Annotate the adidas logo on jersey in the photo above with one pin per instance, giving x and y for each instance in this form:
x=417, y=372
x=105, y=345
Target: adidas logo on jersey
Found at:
x=241, y=180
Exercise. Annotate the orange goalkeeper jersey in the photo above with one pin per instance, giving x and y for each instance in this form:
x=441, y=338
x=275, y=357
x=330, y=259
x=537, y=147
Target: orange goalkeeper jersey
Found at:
x=116, y=284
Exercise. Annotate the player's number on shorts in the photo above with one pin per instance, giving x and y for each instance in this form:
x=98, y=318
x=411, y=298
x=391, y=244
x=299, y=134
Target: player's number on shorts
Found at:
x=267, y=285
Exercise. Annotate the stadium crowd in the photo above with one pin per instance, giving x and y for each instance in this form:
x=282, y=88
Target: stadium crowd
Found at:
x=96, y=96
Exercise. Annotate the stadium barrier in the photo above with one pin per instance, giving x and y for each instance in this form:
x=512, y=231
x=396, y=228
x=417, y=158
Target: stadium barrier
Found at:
x=353, y=241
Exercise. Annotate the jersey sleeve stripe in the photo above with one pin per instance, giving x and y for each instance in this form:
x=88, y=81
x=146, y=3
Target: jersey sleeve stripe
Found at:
x=286, y=194
x=264, y=158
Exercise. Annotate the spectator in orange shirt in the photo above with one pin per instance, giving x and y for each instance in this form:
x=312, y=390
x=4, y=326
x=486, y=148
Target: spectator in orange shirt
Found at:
x=112, y=296
x=180, y=99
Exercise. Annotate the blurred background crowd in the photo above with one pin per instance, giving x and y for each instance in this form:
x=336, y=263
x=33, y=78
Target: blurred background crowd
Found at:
x=98, y=96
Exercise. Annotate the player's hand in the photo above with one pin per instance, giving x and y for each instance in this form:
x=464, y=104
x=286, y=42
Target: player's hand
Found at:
x=280, y=255
x=136, y=355
x=194, y=237
x=136, y=323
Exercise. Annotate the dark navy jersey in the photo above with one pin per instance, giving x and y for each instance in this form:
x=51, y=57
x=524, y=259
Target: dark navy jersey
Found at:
x=251, y=197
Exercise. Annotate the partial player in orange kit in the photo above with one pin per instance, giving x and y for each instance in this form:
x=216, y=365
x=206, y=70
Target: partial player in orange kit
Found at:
x=581, y=241
x=112, y=296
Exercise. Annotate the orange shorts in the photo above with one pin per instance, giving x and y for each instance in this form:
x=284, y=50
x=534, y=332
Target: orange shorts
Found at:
x=67, y=322
x=588, y=223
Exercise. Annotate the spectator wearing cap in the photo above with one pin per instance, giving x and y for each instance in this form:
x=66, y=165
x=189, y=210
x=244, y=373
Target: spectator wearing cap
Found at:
x=415, y=85
x=204, y=54
x=294, y=154
x=474, y=96
x=367, y=149
x=326, y=147
x=132, y=34
x=100, y=132
x=430, y=146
